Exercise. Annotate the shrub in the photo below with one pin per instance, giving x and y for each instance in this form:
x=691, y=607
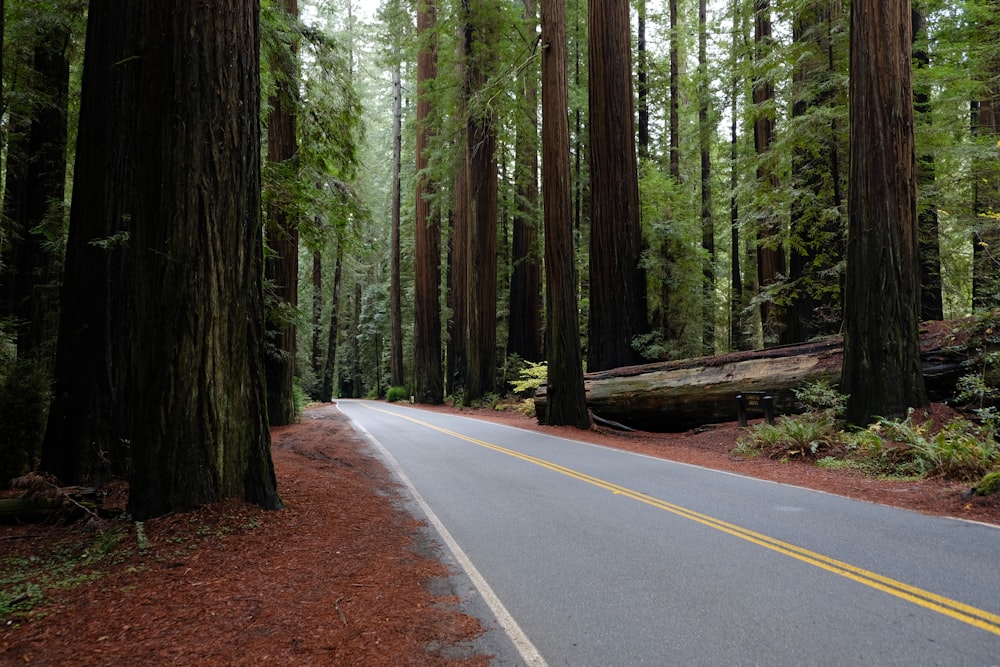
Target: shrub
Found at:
x=395, y=394
x=806, y=435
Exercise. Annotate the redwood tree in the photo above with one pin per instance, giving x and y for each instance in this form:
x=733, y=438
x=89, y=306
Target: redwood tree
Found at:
x=282, y=266
x=88, y=427
x=617, y=279
x=566, y=398
x=881, y=371
x=200, y=430
x=480, y=48
x=428, y=381
x=525, y=324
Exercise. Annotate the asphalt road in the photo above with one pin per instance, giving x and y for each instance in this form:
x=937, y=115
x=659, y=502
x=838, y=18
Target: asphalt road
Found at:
x=593, y=556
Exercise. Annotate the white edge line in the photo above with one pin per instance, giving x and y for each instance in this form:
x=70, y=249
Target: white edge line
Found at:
x=528, y=652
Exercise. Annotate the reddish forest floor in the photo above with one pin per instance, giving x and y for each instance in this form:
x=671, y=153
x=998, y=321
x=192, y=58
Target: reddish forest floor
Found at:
x=341, y=576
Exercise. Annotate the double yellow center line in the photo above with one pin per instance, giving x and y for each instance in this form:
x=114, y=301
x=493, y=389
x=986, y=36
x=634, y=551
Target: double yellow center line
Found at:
x=959, y=611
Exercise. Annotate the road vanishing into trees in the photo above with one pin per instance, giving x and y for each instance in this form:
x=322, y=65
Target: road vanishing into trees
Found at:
x=592, y=556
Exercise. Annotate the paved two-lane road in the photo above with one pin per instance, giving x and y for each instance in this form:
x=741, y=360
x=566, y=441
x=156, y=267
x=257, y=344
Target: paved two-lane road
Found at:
x=603, y=557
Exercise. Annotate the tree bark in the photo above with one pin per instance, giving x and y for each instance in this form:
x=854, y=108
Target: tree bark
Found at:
x=481, y=44
x=330, y=366
x=565, y=367
x=282, y=266
x=200, y=429
x=882, y=303
x=617, y=279
x=88, y=431
x=428, y=378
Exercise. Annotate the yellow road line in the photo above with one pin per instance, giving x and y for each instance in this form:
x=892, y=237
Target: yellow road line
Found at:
x=959, y=611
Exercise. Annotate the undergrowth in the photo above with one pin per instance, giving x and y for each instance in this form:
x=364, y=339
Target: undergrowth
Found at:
x=909, y=448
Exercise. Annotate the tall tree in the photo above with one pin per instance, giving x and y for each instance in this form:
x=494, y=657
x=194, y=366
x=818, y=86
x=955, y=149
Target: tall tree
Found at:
x=282, y=266
x=617, y=279
x=642, y=80
x=480, y=48
x=566, y=398
x=770, y=251
x=881, y=370
x=524, y=336
x=330, y=365
x=741, y=314
x=706, y=133
x=817, y=227
x=427, y=235
x=396, y=287
x=931, y=297
x=986, y=174
x=200, y=431
x=88, y=427
x=35, y=186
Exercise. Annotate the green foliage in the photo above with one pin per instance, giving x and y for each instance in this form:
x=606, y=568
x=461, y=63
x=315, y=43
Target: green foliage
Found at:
x=531, y=378
x=960, y=449
x=980, y=386
x=807, y=435
x=821, y=395
x=395, y=394
x=988, y=485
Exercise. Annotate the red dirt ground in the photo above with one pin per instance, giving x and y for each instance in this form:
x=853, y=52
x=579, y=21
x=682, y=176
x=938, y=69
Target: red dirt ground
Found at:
x=341, y=576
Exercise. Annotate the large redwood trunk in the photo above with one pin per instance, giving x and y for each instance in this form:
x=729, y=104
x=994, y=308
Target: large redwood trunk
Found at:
x=882, y=299
x=617, y=280
x=200, y=428
x=565, y=369
x=428, y=380
x=88, y=428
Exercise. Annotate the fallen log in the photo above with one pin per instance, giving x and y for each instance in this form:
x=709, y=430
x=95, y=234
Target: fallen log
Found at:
x=680, y=395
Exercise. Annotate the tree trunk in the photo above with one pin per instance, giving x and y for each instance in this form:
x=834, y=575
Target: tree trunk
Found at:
x=89, y=419
x=282, y=266
x=483, y=189
x=931, y=299
x=565, y=367
x=330, y=367
x=524, y=337
x=33, y=198
x=770, y=253
x=617, y=280
x=685, y=394
x=706, y=136
x=986, y=235
x=642, y=80
x=882, y=306
x=200, y=431
x=427, y=235
x=317, y=318
x=396, y=378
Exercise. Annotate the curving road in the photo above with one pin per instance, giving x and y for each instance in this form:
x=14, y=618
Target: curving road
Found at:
x=593, y=556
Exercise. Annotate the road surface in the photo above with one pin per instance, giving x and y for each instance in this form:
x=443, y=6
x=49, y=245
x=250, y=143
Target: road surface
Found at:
x=587, y=555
